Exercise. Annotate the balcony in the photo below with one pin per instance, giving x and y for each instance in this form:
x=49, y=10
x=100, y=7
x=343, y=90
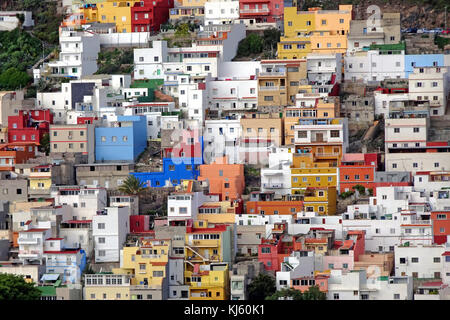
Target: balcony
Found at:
x=204, y=243
x=255, y=11
x=269, y=88
x=279, y=73
x=28, y=241
x=151, y=256
x=273, y=185
x=34, y=192
x=171, y=83
x=327, y=155
x=30, y=254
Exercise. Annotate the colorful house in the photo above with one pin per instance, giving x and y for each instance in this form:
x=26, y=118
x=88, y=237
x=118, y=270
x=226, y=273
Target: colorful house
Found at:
x=223, y=178
x=315, y=30
x=29, y=126
x=357, y=169
x=321, y=200
x=124, y=140
x=18, y=152
x=263, y=203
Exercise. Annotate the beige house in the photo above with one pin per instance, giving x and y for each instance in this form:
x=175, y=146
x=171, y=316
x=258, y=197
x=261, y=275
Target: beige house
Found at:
x=73, y=138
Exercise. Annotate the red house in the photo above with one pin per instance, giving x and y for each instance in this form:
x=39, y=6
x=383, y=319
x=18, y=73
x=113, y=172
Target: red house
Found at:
x=261, y=11
x=357, y=168
x=13, y=153
x=148, y=15
x=441, y=226
x=29, y=126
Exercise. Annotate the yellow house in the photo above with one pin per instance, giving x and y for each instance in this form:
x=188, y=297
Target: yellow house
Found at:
x=210, y=284
x=106, y=286
x=207, y=255
x=147, y=262
x=315, y=30
x=40, y=178
x=188, y=10
x=320, y=200
x=302, y=178
x=111, y=11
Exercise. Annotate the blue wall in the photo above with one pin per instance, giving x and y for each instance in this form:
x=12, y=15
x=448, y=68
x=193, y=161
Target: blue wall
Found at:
x=422, y=60
x=179, y=172
x=121, y=150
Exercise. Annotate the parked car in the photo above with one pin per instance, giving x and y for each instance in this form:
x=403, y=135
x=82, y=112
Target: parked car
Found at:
x=413, y=30
x=446, y=31
x=421, y=30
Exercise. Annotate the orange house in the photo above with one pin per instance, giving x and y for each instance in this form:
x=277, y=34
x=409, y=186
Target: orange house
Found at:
x=264, y=203
x=225, y=179
x=14, y=153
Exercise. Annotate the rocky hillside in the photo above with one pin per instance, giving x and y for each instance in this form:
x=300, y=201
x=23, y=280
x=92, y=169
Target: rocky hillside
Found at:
x=414, y=13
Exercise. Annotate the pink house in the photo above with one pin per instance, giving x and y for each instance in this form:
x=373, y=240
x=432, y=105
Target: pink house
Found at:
x=345, y=253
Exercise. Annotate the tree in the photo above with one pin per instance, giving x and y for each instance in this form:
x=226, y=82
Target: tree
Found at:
x=314, y=293
x=261, y=287
x=252, y=44
x=12, y=79
x=182, y=30
x=286, y=294
x=45, y=144
x=132, y=186
x=271, y=38
x=13, y=287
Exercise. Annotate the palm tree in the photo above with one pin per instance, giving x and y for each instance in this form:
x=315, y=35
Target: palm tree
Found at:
x=132, y=186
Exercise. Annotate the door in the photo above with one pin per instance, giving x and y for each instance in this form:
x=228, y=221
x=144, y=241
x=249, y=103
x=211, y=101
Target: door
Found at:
x=319, y=137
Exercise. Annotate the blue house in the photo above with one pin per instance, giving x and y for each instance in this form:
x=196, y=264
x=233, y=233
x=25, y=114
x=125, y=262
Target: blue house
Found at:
x=422, y=60
x=173, y=171
x=124, y=140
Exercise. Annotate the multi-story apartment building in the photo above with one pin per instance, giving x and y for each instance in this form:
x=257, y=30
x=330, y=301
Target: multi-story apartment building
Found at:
x=29, y=126
x=73, y=139
x=31, y=242
x=279, y=81
x=110, y=227
x=315, y=30
x=430, y=84
x=78, y=57
x=221, y=137
x=380, y=62
x=277, y=176
x=419, y=261
x=148, y=16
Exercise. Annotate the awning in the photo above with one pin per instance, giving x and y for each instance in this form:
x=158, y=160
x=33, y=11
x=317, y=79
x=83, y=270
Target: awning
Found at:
x=50, y=277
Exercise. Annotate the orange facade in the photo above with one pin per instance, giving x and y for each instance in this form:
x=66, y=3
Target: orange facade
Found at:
x=225, y=179
x=14, y=153
x=274, y=207
x=350, y=176
x=441, y=226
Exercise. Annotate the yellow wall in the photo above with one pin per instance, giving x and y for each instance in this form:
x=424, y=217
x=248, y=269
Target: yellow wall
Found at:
x=311, y=174
x=307, y=27
x=111, y=292
x=46, y=181
x=215, y=282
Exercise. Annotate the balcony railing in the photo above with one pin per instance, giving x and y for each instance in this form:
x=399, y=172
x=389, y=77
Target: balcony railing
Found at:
x=272, y=73
x=274, y=88
x=28, y=241
x=273, y=185
x=332, y=154
x=262, y=10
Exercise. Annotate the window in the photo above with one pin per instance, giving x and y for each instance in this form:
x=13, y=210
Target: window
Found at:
x=336, y=296
x=437, y=260
x=436, y=164
x=415, y=260
x=101, y=240
x=334, y=133
x=100, y=226
x=397, y=130
x=268, y=98
x=402, y=260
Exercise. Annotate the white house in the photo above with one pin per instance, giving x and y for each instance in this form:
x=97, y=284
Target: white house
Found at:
x=221, y=137
x=322, y=67
x=374, y=65
x=31, y=241
x=109, y=230
x=421, y=261
x=69, y=262
x=84, y=201
x=184, y=205
x=221, y=11
x=277, y=176
x=355, y=285
x=9, y=20
x=78, y=56
x=430, y=84
x=383, y=101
